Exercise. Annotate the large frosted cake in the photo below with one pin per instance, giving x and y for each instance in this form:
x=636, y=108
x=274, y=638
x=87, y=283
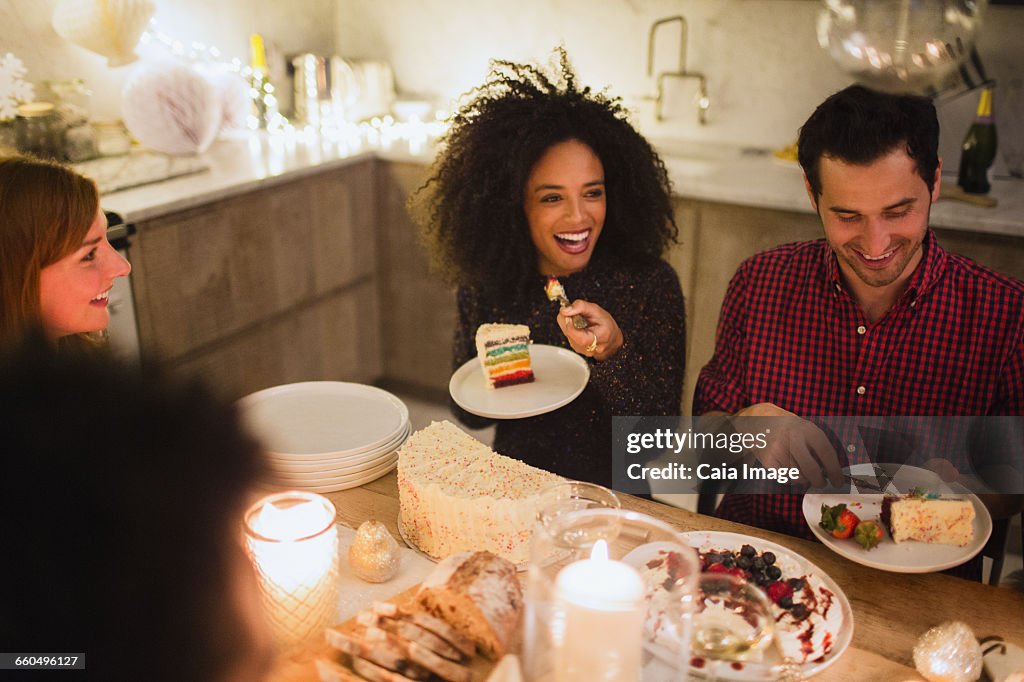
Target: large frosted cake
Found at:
x=456, y=494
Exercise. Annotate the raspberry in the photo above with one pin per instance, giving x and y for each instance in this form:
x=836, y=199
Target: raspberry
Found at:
x=778, y=590
x=722, y=568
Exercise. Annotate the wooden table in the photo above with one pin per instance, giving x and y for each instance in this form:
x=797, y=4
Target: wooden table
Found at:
x=890, y=610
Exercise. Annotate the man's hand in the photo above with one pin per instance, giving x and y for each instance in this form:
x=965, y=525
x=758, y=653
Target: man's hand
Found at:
x=795, y=442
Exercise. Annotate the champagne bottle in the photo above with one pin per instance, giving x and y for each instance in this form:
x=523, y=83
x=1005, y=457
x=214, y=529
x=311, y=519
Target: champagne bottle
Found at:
x=979, y=148
x=261, y=90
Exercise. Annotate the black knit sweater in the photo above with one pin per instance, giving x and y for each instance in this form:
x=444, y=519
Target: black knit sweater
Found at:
x=645, y=377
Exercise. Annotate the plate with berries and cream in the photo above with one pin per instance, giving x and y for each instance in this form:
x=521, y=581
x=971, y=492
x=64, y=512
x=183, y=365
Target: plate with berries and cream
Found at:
x=921, y=524
x=813, y=618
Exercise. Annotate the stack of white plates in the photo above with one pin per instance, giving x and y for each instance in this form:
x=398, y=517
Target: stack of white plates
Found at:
x=324, y=436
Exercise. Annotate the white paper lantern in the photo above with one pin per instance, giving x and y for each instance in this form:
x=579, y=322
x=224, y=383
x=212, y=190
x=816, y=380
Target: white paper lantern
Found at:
x=171, y=108
x=234, y=93
x=107, y=27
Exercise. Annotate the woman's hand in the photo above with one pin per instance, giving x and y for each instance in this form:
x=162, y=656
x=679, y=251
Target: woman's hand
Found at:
x=600, y=340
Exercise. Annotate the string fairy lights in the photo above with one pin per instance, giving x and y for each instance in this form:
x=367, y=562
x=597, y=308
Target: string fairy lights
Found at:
x=417, y=130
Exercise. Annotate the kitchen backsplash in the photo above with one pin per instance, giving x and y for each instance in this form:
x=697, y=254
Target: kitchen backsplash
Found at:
x=764, y=68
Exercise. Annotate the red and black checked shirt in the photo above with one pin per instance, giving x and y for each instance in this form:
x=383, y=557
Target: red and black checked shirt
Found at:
x=791, y=334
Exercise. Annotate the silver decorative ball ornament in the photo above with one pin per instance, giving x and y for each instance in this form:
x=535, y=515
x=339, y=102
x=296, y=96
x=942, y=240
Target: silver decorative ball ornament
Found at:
x=900, y=46
x=373, y=555
x=948, y=653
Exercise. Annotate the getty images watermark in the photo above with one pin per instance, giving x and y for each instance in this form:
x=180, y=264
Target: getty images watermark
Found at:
x=773, y=455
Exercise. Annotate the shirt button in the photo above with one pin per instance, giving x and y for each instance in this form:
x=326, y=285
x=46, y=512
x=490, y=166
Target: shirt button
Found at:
x=861, y=390
x=851, y=448
x=861, y=329
x=838, y=288
x=913, y=303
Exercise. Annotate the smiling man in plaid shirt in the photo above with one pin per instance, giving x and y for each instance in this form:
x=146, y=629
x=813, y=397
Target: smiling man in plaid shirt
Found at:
x=874, y=319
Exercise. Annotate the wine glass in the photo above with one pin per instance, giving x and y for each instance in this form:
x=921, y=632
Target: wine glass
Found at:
x=732, y=621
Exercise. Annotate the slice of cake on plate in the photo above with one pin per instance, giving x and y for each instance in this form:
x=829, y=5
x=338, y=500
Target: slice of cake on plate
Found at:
x=504, y=352
x=456, y=494
x=926, y=517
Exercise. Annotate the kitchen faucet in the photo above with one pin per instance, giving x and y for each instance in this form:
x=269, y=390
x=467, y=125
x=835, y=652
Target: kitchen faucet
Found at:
x=703, y=102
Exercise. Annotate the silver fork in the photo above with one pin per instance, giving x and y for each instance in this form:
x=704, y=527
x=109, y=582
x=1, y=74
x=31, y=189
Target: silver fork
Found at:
x=557, y=293
x=577, y=320
x=863, y=484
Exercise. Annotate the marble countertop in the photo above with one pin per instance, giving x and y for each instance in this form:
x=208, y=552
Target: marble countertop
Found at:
x=701, y=171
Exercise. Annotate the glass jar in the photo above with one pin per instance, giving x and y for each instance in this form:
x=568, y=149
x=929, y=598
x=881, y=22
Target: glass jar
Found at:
x=112, y=138
x=293, y=543
x=8, y=139
x=79, y=143
x=38, y=130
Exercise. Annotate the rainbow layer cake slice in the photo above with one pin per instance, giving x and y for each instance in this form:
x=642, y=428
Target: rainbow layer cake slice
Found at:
x=504, y=352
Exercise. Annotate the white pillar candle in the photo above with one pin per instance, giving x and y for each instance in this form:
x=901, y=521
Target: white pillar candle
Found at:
x=600, y=636
x=293, y=543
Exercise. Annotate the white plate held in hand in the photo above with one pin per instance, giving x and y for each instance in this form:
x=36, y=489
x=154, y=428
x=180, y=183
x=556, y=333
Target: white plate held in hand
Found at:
x=560, y=375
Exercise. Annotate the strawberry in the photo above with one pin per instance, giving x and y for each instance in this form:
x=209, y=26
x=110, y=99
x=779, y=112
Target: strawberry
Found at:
x=838, y=520
x=868, y=534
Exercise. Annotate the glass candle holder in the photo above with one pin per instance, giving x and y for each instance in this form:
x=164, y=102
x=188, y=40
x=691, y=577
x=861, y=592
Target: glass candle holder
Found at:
x=293, y=543
x=609, y=592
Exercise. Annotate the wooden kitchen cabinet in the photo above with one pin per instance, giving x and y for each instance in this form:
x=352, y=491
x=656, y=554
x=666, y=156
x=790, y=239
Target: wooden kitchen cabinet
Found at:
x=271, y=286
x=714, y=239
x=418, y=309
x=324, y=277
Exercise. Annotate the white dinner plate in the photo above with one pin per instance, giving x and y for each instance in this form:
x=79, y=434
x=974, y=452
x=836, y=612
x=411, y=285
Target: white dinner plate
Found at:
x=383, y=465
x=559, y=376
x=309, y=476
x=323, y=418
x=706, y=540
x=905, y=557
x=367, y=477
x=303, y=465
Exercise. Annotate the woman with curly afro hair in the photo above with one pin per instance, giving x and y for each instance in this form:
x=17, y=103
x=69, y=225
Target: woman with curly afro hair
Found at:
x=539, y=177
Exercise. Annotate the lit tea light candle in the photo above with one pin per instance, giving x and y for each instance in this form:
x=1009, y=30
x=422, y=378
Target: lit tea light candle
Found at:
x=603, y=609
x=293, y=543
